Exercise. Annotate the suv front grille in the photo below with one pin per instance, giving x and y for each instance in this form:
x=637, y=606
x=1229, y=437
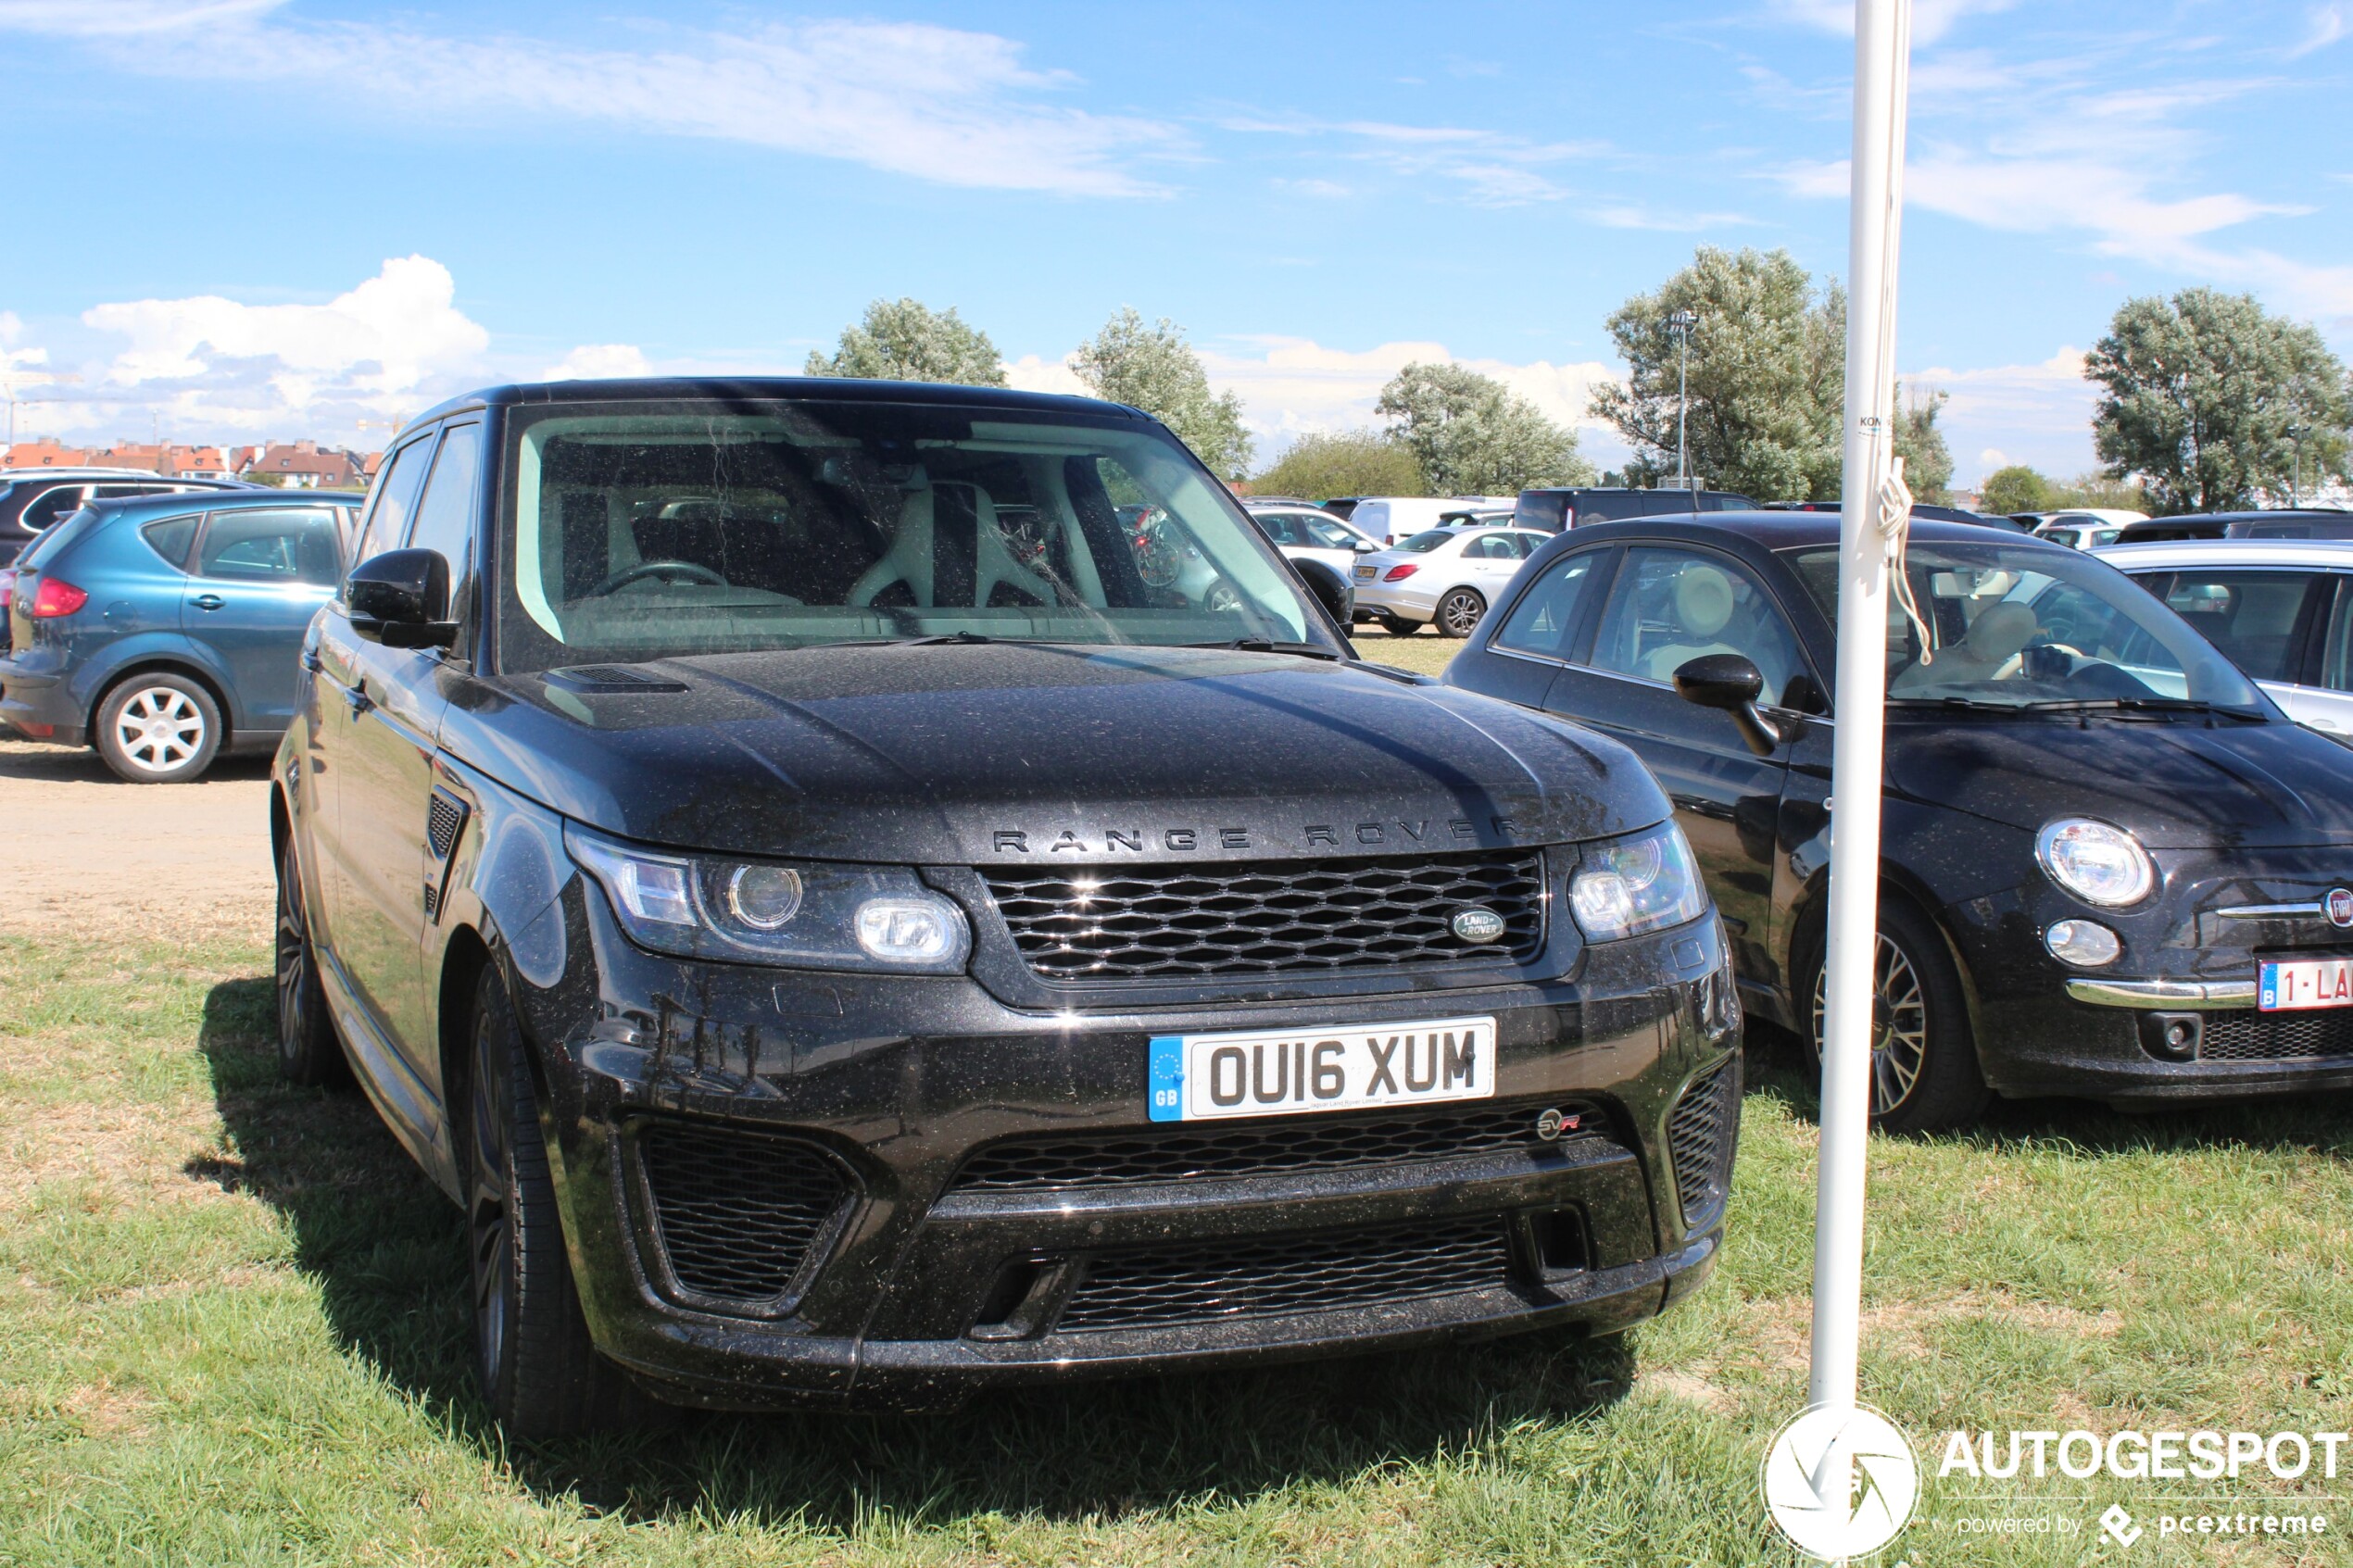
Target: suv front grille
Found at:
x=2276, y=1036
x=735, y=1213
x=1212, y=1282
x=1700, y=1137
x=1297, y=1143
x=1267, y=918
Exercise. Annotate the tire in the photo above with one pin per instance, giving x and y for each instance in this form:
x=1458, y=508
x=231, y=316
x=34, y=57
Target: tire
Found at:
x=1397, y=626
x=309, y=1050
x=1459, y=612
x=534, y=1358
x=159, y=728
x=1924, y=1071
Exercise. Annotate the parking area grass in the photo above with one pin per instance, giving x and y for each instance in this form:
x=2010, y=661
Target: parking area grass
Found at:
x=1425, y=652
x=232, y=1329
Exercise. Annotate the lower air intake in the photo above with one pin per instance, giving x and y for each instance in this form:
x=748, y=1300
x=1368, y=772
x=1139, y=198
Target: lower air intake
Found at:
x=2276, y=1036
x=1699, y=1141
x=735, y=1213
x=1214, y=1281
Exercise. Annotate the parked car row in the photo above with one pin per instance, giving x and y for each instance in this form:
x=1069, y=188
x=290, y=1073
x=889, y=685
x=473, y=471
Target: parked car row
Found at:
x=33, y=500
x=861, y=931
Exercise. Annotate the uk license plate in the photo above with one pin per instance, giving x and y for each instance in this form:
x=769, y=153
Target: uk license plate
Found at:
x=1298, y=1073
x=2298, y=985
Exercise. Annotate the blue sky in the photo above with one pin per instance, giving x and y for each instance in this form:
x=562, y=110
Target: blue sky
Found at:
x=231, y=218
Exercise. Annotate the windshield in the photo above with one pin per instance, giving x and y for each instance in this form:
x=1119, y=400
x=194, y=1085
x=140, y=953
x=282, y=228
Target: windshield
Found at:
x=2024, y=625
x=1422, y=543
x=635, y=532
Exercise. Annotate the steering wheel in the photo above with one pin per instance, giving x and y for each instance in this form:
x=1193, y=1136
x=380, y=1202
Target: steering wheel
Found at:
x=620, y=580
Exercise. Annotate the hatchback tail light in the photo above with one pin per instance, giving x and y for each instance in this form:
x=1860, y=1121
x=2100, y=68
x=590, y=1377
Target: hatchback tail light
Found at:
x=1399, y=573
x=57, y=596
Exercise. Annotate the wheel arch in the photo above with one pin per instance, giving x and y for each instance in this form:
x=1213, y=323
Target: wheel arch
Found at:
x=164, y=664
x=1810, y=925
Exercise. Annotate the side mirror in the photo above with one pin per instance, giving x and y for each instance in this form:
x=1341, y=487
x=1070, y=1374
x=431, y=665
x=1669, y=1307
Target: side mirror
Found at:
x=1729, y=681
x=1364, y=547
x=1331, y=590
x=401, y=599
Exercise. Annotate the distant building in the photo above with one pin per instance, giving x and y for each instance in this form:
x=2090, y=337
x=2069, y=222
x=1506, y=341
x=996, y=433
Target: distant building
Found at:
x=304, y=464
x=45, y=454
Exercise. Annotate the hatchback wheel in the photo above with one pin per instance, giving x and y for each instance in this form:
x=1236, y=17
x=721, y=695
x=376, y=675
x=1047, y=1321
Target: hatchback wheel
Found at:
x=533, y=1355
x=1924, y=1070
x=1459, y=612
x=159, y=728
x=308, y=1049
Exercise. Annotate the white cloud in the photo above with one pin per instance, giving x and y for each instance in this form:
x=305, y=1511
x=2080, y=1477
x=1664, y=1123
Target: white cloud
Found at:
x=2038, y=413
x=2324, y=25
x=1669, y=222
x=598, y=362
x=1491, y=168
x=941, y=104
x=1033, y=373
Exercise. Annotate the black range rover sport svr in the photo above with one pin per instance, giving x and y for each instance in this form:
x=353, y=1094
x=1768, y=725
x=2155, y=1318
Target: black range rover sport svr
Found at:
x=853, y=920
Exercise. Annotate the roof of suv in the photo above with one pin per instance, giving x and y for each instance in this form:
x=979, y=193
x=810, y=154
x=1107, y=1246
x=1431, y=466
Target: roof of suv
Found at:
x=2337, y=553
x=835, y=389
x=1786, y=531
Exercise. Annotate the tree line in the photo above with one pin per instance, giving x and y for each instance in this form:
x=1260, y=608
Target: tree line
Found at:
x=2208, y=401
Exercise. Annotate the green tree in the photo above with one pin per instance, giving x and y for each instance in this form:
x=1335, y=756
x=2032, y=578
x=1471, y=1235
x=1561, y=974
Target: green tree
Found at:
x=1928, y=462
x=1153, y=368
x=2017, y=488
x=906, y=340
x=2202, y=394
x=1472, y=435
x=2097, y=489
x=1767, y=376
x=1349, y=462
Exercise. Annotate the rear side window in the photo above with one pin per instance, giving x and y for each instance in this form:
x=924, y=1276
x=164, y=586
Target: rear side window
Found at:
x=2258, y=619
x=51, y=505
x=1546, y=512
x=1546, y=615
x=284, y=545
x=170, y=537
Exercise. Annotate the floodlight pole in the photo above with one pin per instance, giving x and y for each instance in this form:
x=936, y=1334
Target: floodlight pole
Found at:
x=1882, y=56
x=1681, y=325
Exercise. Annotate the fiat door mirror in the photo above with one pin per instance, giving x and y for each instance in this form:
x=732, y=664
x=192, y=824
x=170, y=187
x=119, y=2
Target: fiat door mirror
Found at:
x=401, y=599
x=1732, y=682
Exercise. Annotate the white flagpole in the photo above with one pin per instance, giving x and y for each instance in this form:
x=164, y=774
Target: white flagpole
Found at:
x=1882, y=56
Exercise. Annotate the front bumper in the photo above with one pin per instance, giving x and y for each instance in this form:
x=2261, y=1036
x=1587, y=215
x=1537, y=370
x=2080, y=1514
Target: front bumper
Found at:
x=916, y=1284
x=2191, y=955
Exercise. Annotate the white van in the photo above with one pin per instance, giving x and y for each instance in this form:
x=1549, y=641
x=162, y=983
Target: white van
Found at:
x=1393, y=520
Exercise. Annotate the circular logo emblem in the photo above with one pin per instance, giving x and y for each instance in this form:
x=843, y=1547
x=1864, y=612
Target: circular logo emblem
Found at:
x=1548, y=1124
x=1840, y=1482
x=2339, y=905
x=1476, y=925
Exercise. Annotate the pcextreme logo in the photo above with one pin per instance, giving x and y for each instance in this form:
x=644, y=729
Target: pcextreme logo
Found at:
x=1840, y=1481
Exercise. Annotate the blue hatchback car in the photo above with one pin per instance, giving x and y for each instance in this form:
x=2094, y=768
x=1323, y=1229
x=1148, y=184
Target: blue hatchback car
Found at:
x=165, y=629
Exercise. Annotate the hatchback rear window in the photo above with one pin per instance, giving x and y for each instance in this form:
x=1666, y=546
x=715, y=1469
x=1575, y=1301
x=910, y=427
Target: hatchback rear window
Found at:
x=54, y=539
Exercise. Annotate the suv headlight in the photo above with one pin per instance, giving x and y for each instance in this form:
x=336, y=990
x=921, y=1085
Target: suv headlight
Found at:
x=809, y=914
x=2098, y=863
x=1645, y=882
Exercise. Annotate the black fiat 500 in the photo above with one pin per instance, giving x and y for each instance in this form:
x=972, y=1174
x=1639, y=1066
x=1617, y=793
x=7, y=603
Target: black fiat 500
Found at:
x=2111, y=867
x=849, y=928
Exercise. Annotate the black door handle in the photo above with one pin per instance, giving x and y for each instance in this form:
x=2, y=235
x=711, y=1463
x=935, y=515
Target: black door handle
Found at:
x=207, y=601
x=359, y=700
x=310, y=661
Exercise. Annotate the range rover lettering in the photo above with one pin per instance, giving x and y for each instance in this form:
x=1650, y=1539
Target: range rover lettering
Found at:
x=847, y=934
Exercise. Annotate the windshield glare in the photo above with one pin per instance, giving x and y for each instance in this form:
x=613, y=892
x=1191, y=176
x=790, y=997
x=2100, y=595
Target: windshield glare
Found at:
x=637, y=532
x=2019, y=625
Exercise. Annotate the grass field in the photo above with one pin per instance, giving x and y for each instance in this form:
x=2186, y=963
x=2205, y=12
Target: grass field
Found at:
x=233, y=1330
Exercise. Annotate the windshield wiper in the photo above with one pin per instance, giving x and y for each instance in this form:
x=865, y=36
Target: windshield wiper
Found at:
x=1268, y=645
x=951, y=638
x=2143, y=704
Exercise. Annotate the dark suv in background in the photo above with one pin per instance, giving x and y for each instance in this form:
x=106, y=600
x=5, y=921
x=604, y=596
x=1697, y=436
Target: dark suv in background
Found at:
x=843, y=933
x=34, y=499
x=1553, y=510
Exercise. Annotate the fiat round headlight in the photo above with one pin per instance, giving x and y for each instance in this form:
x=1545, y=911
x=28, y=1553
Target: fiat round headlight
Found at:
x=2100, y=863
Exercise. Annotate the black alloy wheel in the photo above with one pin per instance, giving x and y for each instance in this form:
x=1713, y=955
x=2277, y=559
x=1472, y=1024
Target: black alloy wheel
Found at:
x=309, y=1050
x=1397, y=626
x=534, y=1358
x=1924, y=1070
x=1459, y=612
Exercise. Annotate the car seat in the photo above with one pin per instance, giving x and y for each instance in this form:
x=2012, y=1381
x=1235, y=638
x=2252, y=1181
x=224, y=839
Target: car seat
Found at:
x=1991, y=651
x=948, y=552
x=1702, y=604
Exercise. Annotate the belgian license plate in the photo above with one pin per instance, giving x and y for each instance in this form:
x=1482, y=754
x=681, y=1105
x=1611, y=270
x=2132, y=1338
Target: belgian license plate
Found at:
x=2297, y=985
x=1296, y=1073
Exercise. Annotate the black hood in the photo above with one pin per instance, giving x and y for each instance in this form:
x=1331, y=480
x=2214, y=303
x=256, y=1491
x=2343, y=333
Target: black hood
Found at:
x=2177, y=783
x=978, y=755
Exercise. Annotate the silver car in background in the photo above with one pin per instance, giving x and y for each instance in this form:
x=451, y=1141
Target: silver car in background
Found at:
x=2280, y=609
